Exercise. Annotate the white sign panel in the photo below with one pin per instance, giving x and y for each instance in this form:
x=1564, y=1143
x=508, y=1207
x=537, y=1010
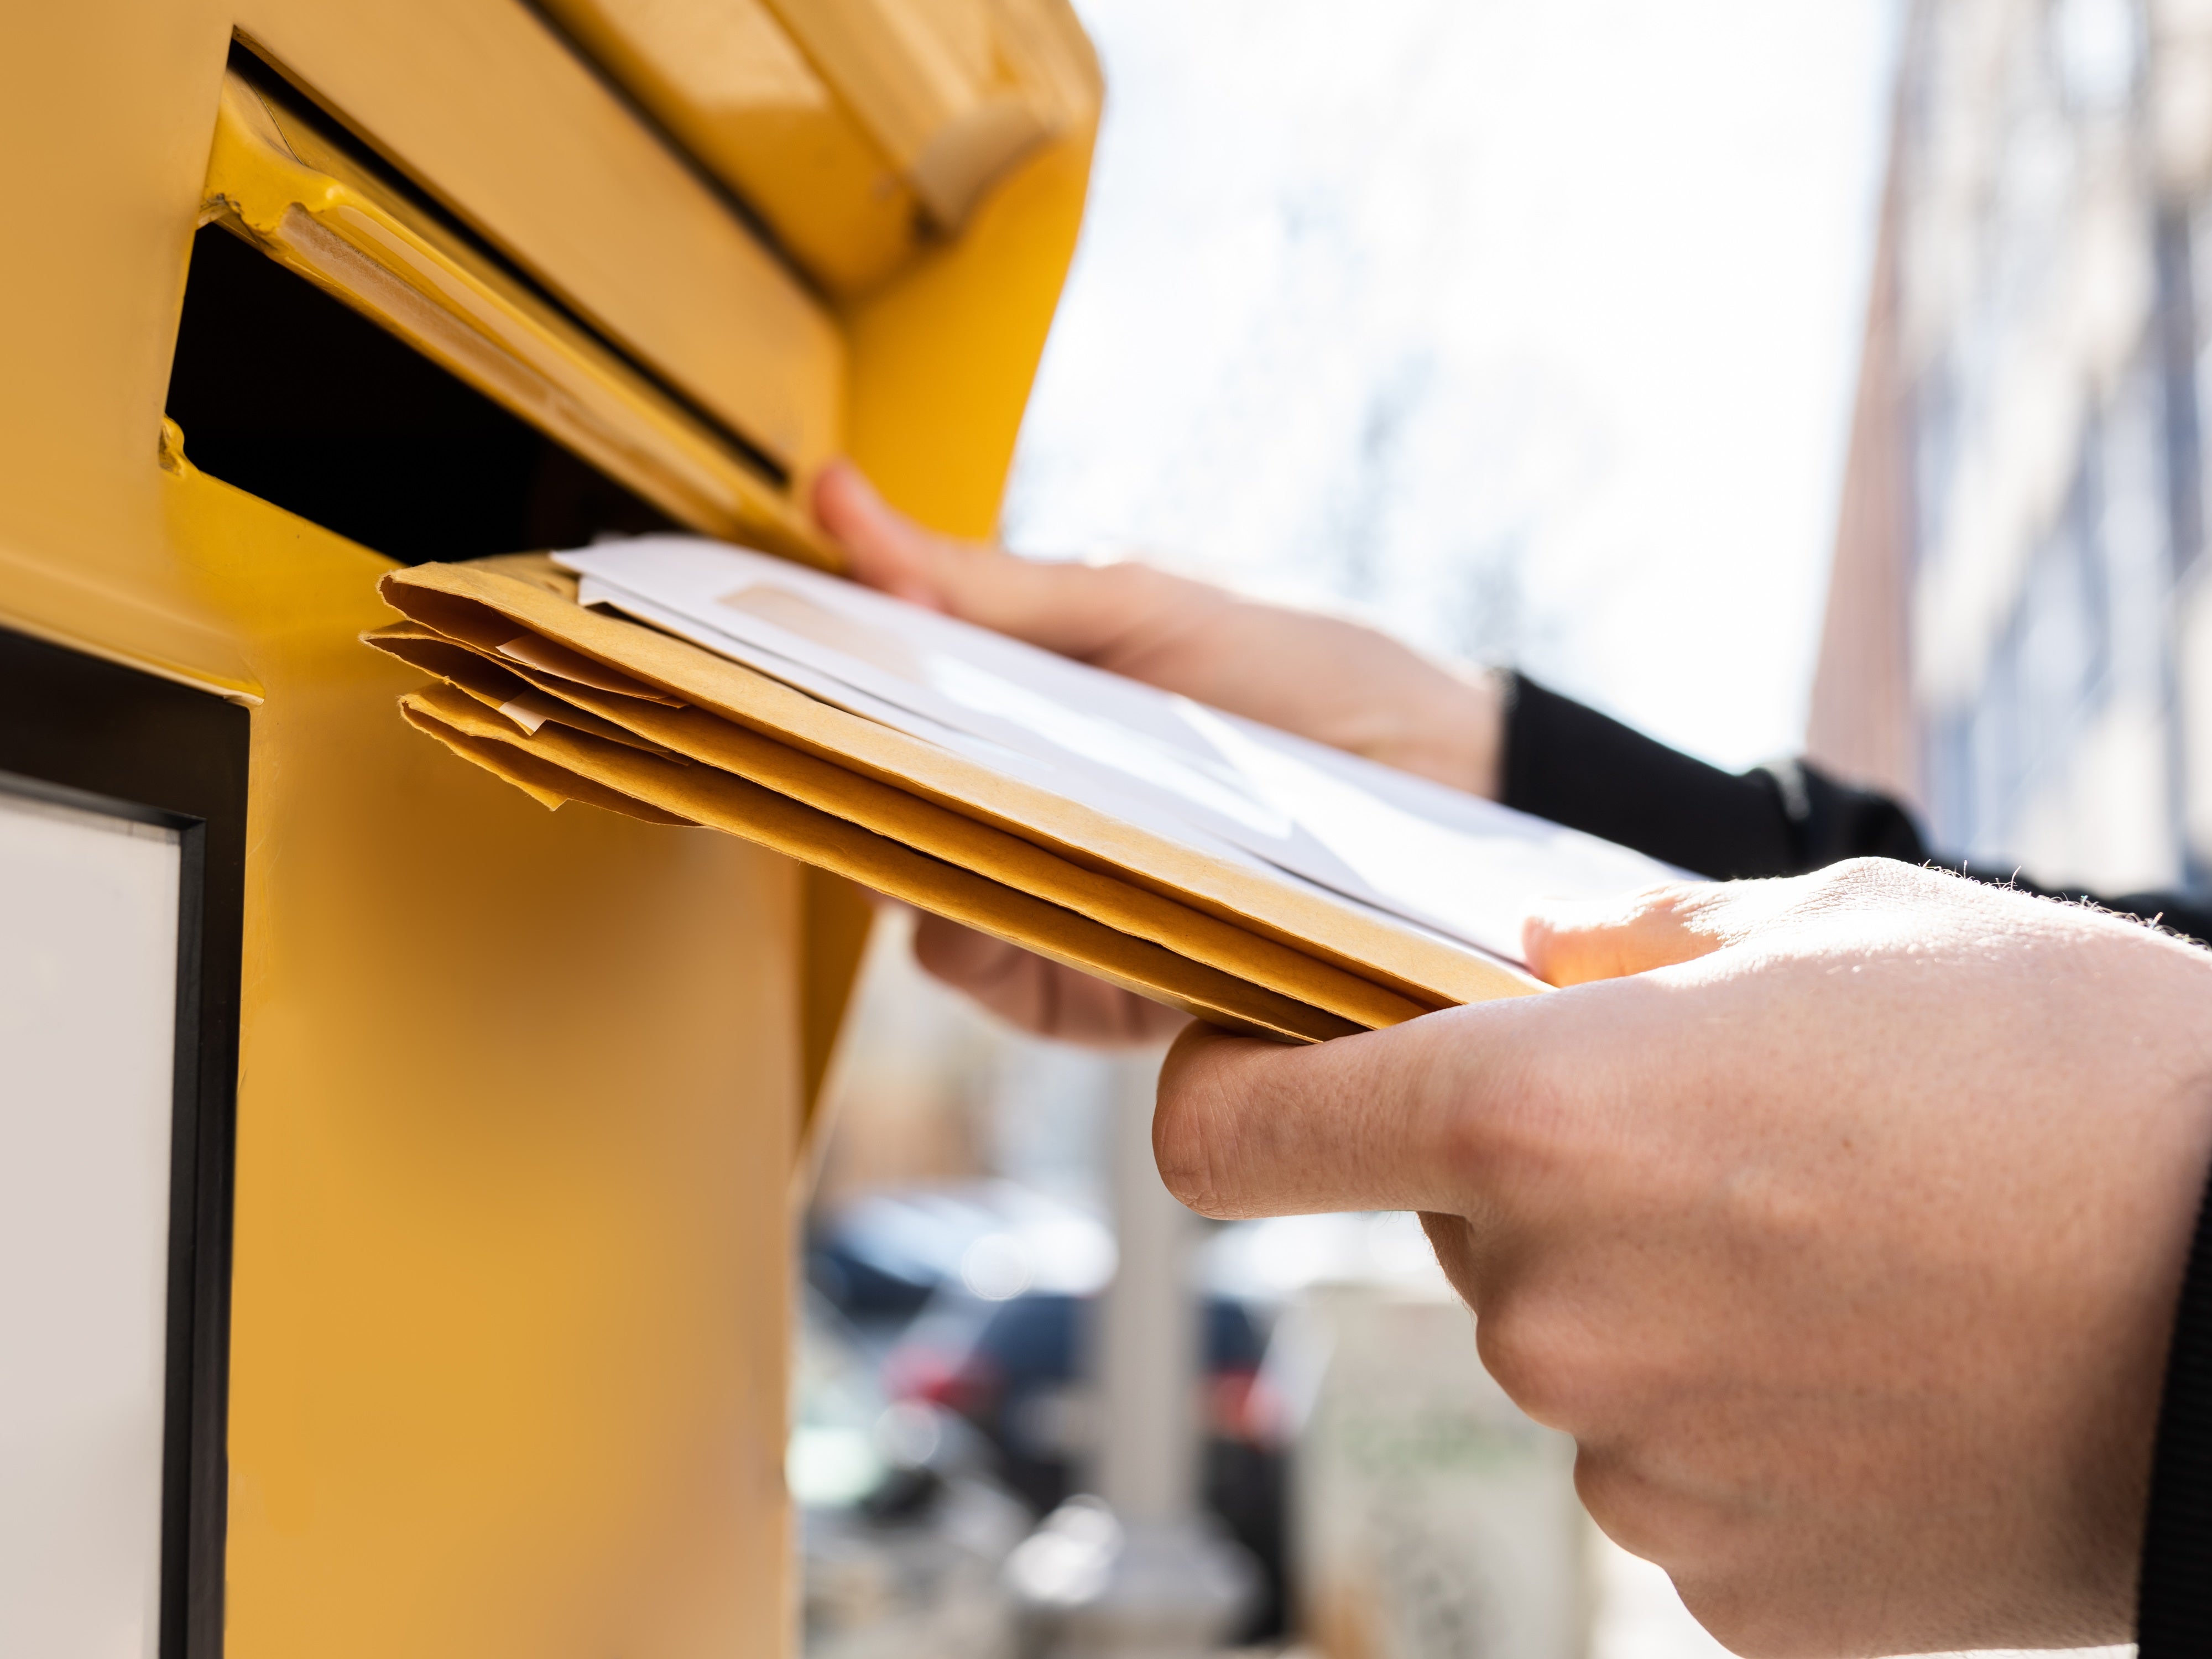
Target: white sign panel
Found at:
x=87, y=1043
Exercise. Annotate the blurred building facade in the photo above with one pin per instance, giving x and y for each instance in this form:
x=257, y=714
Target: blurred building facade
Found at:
x=2019, y=636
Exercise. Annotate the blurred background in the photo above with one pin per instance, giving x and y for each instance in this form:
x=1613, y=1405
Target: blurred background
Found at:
x=1781, y=376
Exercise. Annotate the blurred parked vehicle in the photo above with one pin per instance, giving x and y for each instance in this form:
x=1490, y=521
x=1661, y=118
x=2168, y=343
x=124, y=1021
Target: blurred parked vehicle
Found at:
x=1013, y=1368
x=879, y=1260
x=904, y=1530
x=980, y=1296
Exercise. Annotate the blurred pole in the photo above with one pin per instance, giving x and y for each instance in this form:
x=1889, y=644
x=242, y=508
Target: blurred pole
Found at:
x=1145, y=1573
x=1148, y=1362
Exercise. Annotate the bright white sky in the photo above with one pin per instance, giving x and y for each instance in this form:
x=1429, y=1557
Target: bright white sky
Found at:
x=1529, y=327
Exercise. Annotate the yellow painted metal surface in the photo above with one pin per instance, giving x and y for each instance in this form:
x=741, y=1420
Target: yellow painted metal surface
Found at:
x=275, y=176
x=942, y=360
x=953, y=90
x=518, y=1091
x=863, y=131
x=730, y=82
x=486, y=107
x=517, y=1115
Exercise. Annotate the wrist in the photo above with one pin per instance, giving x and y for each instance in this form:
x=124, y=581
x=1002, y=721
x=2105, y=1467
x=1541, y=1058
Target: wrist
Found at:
x=1489, y=692
x=1448, y=724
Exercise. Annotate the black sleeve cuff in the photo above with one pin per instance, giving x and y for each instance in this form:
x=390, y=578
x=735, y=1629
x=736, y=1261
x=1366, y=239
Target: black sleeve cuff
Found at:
x=2173, y=1619
x=1576, y=767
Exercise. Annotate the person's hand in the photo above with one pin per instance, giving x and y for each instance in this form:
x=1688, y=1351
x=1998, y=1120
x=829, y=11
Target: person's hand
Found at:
x=1845, y=1233
x=1320, y=677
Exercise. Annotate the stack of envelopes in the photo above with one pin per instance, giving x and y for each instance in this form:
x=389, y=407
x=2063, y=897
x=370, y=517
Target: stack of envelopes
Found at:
x=568, y=703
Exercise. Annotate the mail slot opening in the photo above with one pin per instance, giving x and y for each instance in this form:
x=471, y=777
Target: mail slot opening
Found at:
x=289, y=394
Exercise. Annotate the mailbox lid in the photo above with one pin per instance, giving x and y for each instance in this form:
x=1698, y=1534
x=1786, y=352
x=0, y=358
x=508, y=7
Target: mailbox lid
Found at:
x=863, y=132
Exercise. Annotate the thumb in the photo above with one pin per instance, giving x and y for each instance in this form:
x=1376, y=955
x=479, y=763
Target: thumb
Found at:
x=1245, y=1127
x=1087, y=612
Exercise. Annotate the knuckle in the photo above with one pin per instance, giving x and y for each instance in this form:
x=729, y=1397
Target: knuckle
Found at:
x=1868, y=880
x=1674, y=901
x=1461, y=1145
x=1729, y=1577
x=1497, y=1134
x=1533, y=1355
x=1538, y=1095
x=1628, y=1507
x=1615, y=1501
x=1740, y=1614
x=1849, y=878
x=1852, y=892
x=1702, y=914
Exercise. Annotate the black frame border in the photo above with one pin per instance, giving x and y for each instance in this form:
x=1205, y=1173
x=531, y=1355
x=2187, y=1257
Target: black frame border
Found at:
x=88, y=732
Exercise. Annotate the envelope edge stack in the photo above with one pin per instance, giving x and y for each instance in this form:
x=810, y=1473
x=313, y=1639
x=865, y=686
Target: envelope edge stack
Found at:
x=568, y=703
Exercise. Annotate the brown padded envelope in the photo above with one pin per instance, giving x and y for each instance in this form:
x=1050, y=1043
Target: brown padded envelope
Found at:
x=719, y=801
x=900, y=814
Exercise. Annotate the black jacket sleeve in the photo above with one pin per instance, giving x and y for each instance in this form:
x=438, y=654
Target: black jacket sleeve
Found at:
x=2173, y=1606
x=1572, y=765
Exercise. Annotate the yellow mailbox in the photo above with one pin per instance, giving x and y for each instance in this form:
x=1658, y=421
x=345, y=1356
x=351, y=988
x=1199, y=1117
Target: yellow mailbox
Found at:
x=395, y=1178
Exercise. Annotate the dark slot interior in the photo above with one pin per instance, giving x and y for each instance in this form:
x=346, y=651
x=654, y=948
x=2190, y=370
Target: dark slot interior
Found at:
x=293, y=397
